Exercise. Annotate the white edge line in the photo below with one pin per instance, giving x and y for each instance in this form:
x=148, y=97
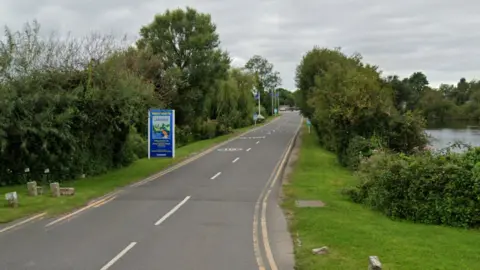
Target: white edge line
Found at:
x=249, y=149
x=235, y=160
x=119, y=255
x=216, y=175
x=174, y=209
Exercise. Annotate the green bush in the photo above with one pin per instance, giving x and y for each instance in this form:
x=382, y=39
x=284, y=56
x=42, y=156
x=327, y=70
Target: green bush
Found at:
x=345, y=99
x=79, y=106
x=406, y=133
x=57, y=115
x=135, y=146
x=425, y=187
x=205, y=130
x=360, y=148
x=183, y=135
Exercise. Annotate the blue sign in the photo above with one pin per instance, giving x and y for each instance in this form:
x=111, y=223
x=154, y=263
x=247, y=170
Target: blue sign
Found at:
x=308, y=122
x=161, y=133
x=276, y=111
x=255, y=116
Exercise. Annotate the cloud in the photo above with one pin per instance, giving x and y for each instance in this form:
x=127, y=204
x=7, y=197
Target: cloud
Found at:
x=438, y=37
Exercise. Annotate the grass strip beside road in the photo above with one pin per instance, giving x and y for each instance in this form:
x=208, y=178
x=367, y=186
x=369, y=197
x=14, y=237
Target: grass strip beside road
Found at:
x=352, y=232
x=93, y=187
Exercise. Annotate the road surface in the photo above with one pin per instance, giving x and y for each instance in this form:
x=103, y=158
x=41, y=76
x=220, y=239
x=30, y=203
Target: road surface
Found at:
x=210, y=214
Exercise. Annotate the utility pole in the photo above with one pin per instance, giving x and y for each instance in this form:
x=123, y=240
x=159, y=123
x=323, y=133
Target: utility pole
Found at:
x=278, y=100
x=272, y=93
x=258, y=93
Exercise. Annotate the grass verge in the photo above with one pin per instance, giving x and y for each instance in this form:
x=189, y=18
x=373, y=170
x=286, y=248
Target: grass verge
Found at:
x=352, y=232
x=93, y=187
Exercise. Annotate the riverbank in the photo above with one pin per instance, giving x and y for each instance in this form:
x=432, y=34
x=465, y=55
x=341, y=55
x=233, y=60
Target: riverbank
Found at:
x=353, y=232
x=93, y=187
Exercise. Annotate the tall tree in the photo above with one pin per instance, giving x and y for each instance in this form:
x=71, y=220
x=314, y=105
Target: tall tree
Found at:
x=267, y=79
x=285, y=97
x=418, y=84
x=189, y=45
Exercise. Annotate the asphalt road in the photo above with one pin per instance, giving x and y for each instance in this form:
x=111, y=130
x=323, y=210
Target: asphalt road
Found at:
x=206, y=215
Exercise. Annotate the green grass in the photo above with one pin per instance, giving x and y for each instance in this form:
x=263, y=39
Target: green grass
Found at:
x=93, y=187
x=352, y=232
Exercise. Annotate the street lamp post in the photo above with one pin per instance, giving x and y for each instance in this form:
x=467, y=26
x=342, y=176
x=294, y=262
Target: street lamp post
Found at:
x=272, y=94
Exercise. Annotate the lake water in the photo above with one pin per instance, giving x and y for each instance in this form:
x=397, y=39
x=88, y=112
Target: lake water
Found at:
x=444, y=134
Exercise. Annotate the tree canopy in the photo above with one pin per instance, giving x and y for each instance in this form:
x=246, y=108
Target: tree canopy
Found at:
x=267, y=79
x=346, y=99
x=78, y=106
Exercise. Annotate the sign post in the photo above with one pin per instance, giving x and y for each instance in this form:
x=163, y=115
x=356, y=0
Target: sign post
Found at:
x=161, y=133
x=278, y=101
x=257, y=97
x=308, y=125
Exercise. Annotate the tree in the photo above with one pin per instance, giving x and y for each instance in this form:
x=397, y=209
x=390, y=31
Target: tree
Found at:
x=285, y=97
x=347, y=102
x=297, y=98
x=408, y=91
x=313, y=65
x=402, y=92
x=434, y=106
x=188, y=44
x=267, y=79
x=69, y=105
x=418, y=83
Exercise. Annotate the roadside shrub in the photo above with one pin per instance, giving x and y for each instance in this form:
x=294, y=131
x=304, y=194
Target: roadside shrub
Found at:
x=406, y=133
x=67, y=107
x=426, y=187
x=360, y=148
x=78, y=106
x=135, y=146
x=345, y=99
x=183, y=135
x=205, y=130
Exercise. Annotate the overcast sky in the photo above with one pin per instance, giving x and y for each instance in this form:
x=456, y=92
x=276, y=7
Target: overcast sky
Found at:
x=438, y=37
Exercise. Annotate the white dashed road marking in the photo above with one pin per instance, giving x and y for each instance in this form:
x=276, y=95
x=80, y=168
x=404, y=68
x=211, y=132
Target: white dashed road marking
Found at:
x=216, y=175
x=120, y=255
x=174, y=209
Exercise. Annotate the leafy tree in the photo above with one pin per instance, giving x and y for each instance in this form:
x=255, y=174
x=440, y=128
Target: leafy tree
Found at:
x=313, y=65
x=402, y=91
x=188, y=44
x=434, y=106
x=297, y=97
x=418, y=83
x=78, y=106
x=285, y=97
x=267, y=79
x=73, y=111
x=345, y=99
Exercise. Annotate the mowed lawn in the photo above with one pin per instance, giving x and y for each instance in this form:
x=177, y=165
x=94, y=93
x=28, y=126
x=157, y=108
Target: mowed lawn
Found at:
x=93, y=187
x=353, y=232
